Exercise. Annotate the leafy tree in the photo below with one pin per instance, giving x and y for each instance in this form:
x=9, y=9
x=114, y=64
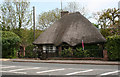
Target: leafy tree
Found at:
x=109, y=32
x=113, y=47
x=15, y=14
x=27, y=38
x=23, y=14
x=8, y=17
x=10, y=44
x=107, y=18
x=30, y=48
x=47, y=18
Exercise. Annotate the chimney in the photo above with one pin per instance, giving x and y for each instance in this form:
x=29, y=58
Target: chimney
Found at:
x=78, y=12
x=64, y=13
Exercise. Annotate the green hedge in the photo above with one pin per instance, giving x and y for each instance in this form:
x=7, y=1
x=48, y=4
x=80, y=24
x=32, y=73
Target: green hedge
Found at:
x=113, y=47
x=10, y=44
x=78, y=52
x=67, y=52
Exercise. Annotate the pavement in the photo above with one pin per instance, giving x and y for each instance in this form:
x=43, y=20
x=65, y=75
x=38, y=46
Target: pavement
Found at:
x=94, y=62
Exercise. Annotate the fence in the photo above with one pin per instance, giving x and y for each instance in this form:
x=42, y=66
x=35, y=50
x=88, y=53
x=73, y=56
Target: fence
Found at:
x=93, y=53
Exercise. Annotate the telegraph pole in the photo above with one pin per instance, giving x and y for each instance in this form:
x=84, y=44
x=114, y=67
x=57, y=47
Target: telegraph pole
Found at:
x=34, y=22
x=61, y=5
x=119, y=17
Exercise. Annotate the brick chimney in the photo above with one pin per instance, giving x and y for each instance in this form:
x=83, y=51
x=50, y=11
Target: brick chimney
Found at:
x=64, y=13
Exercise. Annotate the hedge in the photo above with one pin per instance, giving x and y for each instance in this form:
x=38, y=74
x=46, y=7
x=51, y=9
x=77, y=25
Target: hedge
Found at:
x=78, y=52
x=113, y=47
x=10, y=44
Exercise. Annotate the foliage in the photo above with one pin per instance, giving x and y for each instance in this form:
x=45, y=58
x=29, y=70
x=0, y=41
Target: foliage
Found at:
x=67, y=52
x=10, y=44
x=78, y=52
x=74, y=53
x=109, y=32
x=8, y=17
x=97, y=26
x=30, y=53
x=47, y=18
x=113, y=47
x=26, y=36
x=81, y=53
x=15, y=14
x=107, y=18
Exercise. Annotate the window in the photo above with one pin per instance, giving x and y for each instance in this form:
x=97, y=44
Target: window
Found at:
x=49, y=48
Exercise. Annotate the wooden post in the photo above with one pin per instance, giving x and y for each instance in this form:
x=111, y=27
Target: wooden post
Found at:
x=105, y=55
x=60, y=49
x=34, y=21
x=119, y=17
x=23, y=50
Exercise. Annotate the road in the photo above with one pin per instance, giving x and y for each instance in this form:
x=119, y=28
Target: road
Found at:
x=27, y=68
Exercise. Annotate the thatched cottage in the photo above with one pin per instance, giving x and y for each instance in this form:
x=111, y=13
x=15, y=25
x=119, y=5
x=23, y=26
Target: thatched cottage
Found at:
x=70, y=29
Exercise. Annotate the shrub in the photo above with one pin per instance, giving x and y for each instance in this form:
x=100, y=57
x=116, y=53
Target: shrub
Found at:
x=81, y=53
x=67, y=52
x=75, y=53
x=10, y=44
x=113, y=47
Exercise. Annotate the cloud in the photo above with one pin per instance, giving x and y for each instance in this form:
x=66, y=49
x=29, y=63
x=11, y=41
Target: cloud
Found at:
x=97, y=5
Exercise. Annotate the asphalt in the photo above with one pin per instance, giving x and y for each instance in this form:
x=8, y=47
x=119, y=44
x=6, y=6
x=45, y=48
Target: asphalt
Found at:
x=93, y=62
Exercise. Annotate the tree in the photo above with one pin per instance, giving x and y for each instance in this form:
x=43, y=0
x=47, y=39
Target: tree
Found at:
x=107, y=18
x=8, y=18
x=47, y=18
x=113, y=47
x=10, y=44
x=27, y=38
x=74, y=7
x=23, y=14
x=15, y=14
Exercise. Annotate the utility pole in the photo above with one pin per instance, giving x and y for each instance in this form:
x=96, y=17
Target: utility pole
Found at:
x=119, y=17
x=34, y=22
x=61, y=5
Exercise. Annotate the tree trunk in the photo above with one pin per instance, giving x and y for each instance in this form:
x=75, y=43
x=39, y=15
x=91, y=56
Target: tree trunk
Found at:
x=23, y=51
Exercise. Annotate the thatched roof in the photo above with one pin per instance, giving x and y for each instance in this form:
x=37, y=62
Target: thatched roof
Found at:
x=71, y=29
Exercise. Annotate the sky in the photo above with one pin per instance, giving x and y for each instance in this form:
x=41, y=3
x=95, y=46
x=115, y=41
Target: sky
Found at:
x=93, y=6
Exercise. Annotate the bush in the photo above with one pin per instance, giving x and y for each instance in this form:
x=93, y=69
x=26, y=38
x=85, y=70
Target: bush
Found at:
x=10, y=44
x=75, y=53
x=67, y=52
x=113, y=47
x=81, y=53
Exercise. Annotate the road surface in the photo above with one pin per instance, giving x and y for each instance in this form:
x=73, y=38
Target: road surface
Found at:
x=27, y=68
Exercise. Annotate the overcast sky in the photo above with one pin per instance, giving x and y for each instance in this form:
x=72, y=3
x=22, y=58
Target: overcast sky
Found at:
x=91, y=5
